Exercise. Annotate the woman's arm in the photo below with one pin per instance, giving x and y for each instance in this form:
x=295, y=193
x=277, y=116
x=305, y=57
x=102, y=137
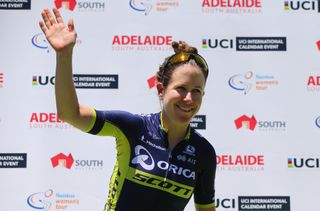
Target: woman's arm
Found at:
x=62, y=38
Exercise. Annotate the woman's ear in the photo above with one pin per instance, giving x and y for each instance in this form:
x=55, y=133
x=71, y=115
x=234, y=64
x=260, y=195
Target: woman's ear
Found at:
x=160, y=89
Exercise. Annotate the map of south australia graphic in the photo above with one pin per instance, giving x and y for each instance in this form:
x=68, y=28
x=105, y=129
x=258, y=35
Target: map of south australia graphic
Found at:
x=245, y=121
x=68, y=4
x=62, y=160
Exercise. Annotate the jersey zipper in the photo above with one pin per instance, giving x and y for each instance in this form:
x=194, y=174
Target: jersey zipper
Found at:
x=169, y=162
x=170, y=158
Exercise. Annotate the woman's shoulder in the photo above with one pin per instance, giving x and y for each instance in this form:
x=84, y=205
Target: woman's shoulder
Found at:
x=202, y=143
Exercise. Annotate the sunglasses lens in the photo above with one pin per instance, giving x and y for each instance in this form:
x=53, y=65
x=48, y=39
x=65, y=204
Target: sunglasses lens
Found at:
x=184, y=57
x=201, y=62
x=179, y=58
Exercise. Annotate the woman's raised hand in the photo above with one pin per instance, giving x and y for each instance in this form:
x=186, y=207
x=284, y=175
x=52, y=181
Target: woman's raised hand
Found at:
x=60, y=36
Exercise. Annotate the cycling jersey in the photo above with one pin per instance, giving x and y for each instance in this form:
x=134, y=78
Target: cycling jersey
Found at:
x=148, y=176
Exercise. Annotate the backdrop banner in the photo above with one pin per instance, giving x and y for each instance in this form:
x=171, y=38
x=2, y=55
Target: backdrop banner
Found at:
x=260, y=110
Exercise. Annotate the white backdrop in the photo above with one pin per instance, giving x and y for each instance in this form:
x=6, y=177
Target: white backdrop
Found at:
x=264, y=78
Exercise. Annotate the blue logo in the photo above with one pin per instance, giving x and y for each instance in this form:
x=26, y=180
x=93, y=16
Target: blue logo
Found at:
x=141, y=6
x=318, y=122
x=241, y=82
x=41, y=200
x=40, y=41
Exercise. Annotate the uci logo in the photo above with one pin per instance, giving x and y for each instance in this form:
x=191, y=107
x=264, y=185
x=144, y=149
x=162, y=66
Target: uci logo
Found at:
x=226, y=203
x=142, y=155
x=217, y=43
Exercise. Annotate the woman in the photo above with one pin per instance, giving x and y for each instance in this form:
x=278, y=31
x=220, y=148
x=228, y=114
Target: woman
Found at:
x=161, y=160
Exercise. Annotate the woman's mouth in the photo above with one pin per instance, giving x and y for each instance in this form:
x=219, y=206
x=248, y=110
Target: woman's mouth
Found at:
x=185, y=108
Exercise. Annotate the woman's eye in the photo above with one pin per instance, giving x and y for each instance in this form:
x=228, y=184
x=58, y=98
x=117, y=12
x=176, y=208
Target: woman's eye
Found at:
x=181, y=88
x=198, y=91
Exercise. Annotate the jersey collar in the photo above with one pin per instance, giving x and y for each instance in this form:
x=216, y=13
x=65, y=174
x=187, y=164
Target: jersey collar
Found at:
x=187, y=137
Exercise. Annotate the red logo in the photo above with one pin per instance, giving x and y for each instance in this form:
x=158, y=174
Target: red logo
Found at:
x=68, y=4
x=62, y=160
x=246, y=122
x=152, y=82
x=318, y=44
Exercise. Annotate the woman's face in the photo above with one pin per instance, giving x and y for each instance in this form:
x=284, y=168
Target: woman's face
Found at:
x=183, y=95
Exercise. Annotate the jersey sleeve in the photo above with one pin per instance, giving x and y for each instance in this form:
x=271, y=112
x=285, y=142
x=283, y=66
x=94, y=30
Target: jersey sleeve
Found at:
x=204, y=192
x=110, y=123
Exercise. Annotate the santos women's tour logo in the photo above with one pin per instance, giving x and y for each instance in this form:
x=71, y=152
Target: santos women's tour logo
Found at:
x=249, y=81
x=51, y=200
x=146, y=6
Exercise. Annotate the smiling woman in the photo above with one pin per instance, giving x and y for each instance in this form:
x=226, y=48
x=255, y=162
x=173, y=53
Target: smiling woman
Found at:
x=161, y=160
x=181, y=97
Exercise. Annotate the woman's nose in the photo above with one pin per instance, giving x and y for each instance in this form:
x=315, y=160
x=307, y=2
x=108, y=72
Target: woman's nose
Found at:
x=188, y=96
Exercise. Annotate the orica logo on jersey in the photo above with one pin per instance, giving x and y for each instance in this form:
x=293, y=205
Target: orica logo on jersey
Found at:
x=146, y=161
x=140, y=158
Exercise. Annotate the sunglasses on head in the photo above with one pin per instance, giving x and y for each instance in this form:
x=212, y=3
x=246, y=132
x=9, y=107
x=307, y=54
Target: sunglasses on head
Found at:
x=185, y=57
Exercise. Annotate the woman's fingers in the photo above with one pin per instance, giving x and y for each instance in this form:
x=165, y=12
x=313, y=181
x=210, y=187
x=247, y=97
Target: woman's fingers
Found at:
x=45, y=18
x=50, y=17
x=43, y=27
x=57, y=15
x=71, y=25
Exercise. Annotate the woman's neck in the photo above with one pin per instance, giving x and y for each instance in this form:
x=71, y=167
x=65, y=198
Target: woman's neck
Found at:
x=176, y=132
